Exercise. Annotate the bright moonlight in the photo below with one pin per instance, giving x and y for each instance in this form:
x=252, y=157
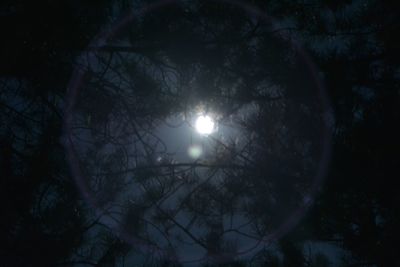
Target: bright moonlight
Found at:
x=205, y=125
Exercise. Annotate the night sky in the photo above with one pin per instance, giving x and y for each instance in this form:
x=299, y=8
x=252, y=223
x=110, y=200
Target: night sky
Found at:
x=199, y=133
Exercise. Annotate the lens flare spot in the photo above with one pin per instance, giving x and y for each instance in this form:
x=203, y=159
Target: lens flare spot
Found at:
x=195, y=151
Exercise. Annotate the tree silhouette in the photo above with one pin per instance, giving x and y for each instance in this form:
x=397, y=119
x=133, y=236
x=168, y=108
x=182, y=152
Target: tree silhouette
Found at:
x=258, y=172
x=95, y=171
x=43, y=221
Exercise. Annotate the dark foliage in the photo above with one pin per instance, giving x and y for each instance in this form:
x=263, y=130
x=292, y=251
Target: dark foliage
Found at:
x=123, y=196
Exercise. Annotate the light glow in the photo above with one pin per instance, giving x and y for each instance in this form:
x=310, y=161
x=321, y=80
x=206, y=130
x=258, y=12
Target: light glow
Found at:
x=195, y=151
x=205, y=125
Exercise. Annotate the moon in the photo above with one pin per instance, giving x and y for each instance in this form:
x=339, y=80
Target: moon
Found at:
x=205, y=125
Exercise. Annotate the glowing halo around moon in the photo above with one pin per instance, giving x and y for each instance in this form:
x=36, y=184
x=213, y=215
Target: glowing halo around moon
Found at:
x=205, y=125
